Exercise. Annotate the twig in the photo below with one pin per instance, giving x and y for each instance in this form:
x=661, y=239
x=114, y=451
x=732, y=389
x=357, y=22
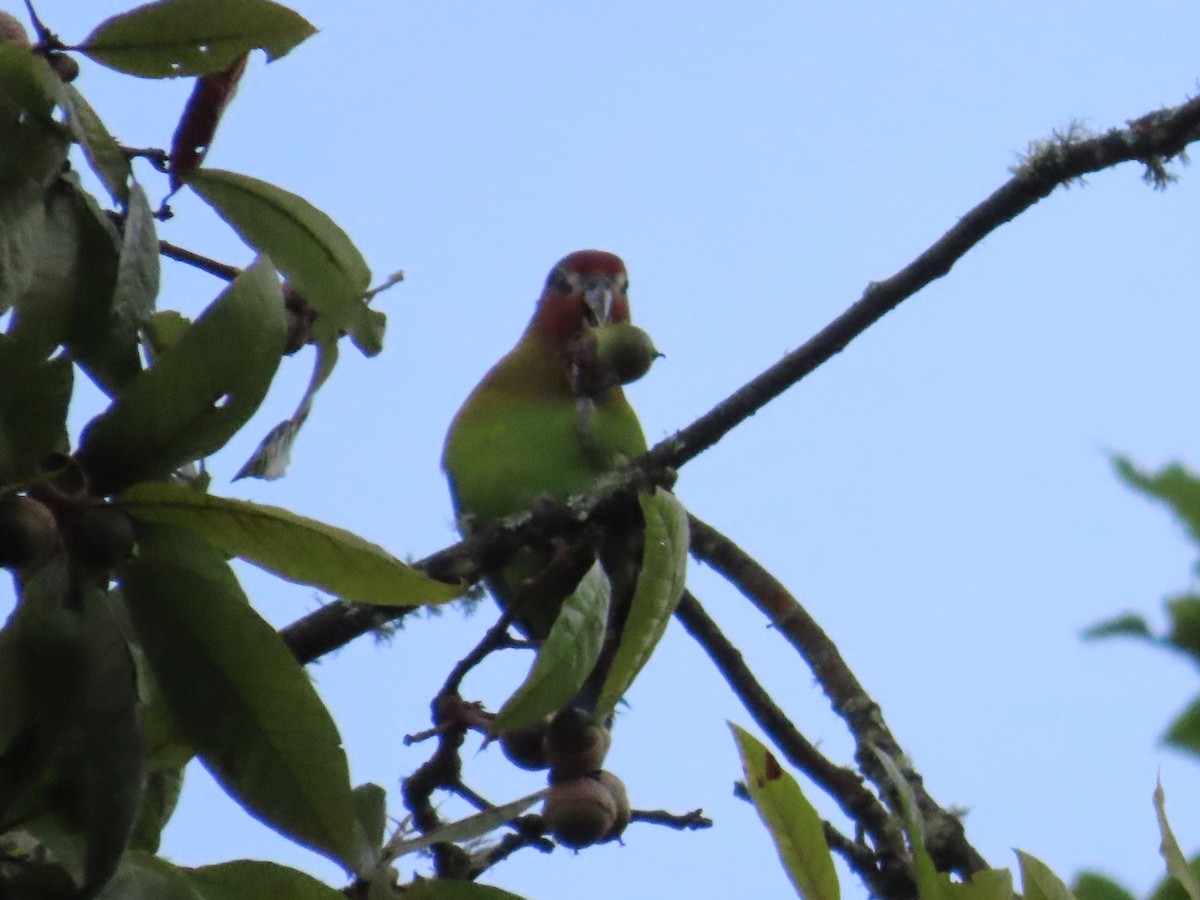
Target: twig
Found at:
x=688, y=821
x=946, y=839
x=203, y=263
x=843, y=785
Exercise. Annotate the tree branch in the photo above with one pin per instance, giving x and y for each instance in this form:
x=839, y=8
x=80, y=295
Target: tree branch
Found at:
x=945, y=838
x=1152, y=140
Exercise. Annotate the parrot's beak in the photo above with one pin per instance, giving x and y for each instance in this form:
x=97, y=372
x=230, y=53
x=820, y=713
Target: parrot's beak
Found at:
x=597, y=302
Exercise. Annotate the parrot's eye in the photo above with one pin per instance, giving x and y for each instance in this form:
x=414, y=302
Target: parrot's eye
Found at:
x=560, y=282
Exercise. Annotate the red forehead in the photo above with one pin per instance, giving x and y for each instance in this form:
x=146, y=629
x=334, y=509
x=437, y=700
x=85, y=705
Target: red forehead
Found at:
x=593, y=262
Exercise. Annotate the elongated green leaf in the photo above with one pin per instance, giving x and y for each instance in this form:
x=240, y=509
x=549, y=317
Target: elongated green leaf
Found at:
x=370, y=809
x=22, y=222
x=1038, y=882
x=793, y=823
x=659, y=587
x=445, y=889
x=33, y=146
x=114, y=757
x=1173, y=484
x=33, y=410
x=159, y=799
x=565, y=658
x=251, y=878
x=1125, y=625
x=990, y=884
x=1177, y=863
x=238, y=695
x=100, y=148
x=198, y=394
x=270, y=460
x=931, y=884
x=301, y=550
x=143, y=876
x=307, y=246
x=171, y=38
x=138, y=270
x=467, y=829
x=1184, y=732
x=1095, y=886
x=1169, y=888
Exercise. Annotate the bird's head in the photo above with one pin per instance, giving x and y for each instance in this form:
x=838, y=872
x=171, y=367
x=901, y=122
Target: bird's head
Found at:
x=584, y=289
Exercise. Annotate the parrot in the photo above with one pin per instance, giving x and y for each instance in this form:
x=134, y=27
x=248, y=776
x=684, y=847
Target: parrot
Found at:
x=548, y=419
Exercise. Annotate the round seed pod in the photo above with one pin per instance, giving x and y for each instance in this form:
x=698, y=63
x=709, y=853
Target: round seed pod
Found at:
x=579, y=812
x=525, y=747
x=575, y=744
x=616, y=787
x=28, y=531
x=101, y=538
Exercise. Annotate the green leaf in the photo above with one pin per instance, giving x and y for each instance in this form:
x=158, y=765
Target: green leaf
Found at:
x=159, y=799
x=100, y=148
x=1184, y=612
x=1177, y=863
x=143, y=876
x=172, y=38
x=989, y=884
x=47, y=643
x=250, y=878
x=1125, y=625
x=793, y=823
x=446, y=889
x=238, y=694
x=317, y=257
x=114, y=757
x=931, y=884
x=370, y=809
x=1169, y=887
x=33, y=410
x=1038, y=882
x=659, y=586
x=198, y=394
x=33, y=147
x=1184, y=732
x=566, y=657
x=22, y=222
x=270, y=460
x=1173, y=484
x=138, y=270
x=1094, y=886
x=467, y=829
x=301, y=550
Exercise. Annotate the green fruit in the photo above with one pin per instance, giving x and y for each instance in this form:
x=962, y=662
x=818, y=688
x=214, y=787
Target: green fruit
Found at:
x=28, y=532
x=624, y=351
x=579, y=812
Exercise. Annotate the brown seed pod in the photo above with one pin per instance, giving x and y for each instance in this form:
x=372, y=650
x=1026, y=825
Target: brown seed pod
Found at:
x=101, y=538
x=579, y=812
x=575, y=744
x=28, y=531
x=620, y=796
x=64, y=66
x=525, y=747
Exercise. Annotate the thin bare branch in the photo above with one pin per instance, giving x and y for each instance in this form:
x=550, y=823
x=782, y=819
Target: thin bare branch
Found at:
x=946, y=840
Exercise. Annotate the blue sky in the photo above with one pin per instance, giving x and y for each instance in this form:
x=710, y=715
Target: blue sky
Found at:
x=939, y=495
